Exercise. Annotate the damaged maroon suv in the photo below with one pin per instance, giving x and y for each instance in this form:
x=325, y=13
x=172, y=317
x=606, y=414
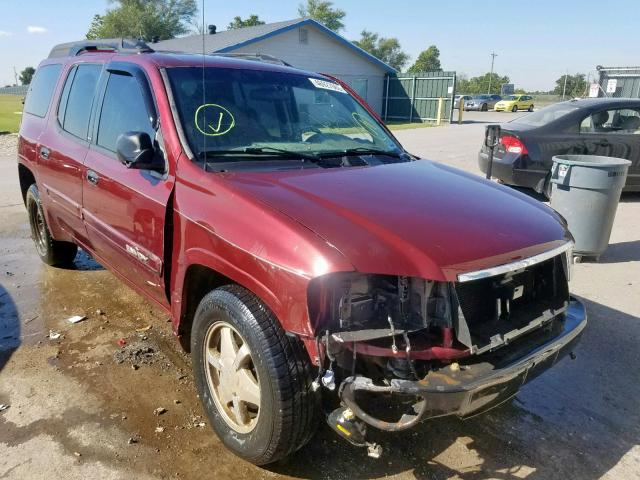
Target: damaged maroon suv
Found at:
x=313, y=267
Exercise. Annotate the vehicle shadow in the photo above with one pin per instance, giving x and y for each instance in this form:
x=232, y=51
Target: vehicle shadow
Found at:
x=621, y=252
x=575, y=421
x=9, y=327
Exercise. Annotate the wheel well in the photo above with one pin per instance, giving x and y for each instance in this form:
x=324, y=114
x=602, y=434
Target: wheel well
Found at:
x=198, y=281
x=26, y=180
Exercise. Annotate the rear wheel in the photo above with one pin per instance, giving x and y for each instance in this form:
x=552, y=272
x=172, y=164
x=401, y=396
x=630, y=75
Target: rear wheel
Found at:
x=52, y=252
x=530, y=109
x=514, y=109
x=254, y=380
x=484, y=107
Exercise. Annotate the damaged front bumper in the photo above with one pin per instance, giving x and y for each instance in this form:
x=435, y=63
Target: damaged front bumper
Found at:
x=477, y=384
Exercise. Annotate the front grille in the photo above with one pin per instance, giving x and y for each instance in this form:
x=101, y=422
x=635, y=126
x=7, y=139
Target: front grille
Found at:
x=503, y=303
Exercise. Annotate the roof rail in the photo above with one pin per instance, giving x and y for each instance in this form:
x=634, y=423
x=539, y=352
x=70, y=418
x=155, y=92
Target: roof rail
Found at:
x=258, y=57
x=120, y=45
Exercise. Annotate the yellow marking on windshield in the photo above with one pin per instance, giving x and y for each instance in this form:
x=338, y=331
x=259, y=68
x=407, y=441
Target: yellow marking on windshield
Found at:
x=224, y=123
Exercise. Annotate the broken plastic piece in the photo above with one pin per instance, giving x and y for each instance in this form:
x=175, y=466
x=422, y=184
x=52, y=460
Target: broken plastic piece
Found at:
x=76, y=319
x=159, y=411
x=3, y=407
x=329, y=380
x=143, y=329
x=374, y=450
x=122, y=342
x=53, y=335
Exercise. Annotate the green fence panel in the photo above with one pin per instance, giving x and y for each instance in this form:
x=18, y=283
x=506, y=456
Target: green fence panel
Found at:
x=414, y=97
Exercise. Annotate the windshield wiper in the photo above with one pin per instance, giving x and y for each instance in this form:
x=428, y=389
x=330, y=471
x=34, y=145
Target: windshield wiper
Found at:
x=361, y=151
x=265, y=151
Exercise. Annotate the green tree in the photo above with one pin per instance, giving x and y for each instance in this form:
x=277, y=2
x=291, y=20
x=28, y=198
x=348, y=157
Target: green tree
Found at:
x=427, y=61
x=386, y=49
x=26, y=75
x=146, y=19
x=576, y=85
x=323, y=12
x=480, y=84
x=250, y=21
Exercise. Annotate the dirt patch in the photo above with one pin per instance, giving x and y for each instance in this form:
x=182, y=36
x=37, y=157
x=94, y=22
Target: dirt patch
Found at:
x=142, y=352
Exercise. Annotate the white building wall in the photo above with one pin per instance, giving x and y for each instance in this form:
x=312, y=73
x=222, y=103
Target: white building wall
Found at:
x=323, y=54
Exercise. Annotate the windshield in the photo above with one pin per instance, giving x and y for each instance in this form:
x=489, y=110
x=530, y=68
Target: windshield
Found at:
x=481, y=97
x=512, y=97
x=547, y=114
x=272, y=113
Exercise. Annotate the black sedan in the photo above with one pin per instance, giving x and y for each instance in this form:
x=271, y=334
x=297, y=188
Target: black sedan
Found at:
x=593, y=126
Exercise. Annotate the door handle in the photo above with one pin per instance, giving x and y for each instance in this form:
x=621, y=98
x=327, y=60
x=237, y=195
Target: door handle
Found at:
x=92, y=177
x=44, y=152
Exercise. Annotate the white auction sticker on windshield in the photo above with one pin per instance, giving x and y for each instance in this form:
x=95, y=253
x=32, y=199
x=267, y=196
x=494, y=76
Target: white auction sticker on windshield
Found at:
x=336, y=87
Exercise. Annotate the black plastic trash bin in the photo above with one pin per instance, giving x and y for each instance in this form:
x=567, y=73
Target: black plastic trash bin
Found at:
x=586, y=191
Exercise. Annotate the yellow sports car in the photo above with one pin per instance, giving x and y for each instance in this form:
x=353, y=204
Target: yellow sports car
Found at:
x=514, y=103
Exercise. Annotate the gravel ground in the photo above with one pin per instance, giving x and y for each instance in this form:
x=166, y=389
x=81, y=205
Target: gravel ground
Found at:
x=76, y=411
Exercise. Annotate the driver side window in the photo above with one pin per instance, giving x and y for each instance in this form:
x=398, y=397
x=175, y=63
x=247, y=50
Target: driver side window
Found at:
x=123, y=110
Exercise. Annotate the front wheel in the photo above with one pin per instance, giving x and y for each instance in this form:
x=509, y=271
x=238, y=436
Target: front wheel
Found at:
x=254, y=380
x=530, y=109
x=50, y=251
x=514, y=109
x=484, y=107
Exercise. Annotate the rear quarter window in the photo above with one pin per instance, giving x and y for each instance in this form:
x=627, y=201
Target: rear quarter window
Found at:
x=41, y=90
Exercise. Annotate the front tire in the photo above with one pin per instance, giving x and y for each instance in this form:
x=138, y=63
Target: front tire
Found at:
x=530, y=109
x=514, y=109
x=254, y=380
x=484, y=107
x=52, y=252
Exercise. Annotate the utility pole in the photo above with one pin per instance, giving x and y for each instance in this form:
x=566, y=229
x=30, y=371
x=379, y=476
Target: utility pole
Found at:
x=493, y=57
x=564, y=87
x=15, y=75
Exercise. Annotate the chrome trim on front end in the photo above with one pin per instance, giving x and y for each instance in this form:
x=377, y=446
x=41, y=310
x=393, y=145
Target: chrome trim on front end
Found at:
x=513, y=266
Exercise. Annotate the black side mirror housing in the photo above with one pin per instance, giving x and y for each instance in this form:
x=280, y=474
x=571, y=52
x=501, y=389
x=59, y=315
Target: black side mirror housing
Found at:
x=135, y=150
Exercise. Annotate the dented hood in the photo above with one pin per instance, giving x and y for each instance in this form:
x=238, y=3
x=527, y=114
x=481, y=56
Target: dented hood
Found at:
x=420, y=218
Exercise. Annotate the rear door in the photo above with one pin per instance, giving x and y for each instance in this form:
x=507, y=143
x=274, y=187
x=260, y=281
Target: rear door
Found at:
x=124, y=209
x=62, y=149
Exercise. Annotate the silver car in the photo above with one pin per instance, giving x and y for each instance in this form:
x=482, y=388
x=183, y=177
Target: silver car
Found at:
x=482, y=102
x=461, y=98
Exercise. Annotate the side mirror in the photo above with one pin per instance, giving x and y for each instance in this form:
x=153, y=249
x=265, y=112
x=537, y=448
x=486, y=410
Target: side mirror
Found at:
x=135, y=150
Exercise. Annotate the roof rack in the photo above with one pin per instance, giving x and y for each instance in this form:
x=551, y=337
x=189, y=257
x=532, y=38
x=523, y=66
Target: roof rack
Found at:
x=258, y=57
x=120, y=45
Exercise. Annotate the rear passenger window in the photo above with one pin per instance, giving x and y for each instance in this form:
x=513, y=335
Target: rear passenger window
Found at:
x=123, y=110
x=41, y=90
x=76, y=99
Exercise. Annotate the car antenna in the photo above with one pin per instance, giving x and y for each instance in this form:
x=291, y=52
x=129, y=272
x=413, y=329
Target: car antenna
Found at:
x=204, y=110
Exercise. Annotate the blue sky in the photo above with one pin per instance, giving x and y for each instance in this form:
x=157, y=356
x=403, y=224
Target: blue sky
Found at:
x=536, y=42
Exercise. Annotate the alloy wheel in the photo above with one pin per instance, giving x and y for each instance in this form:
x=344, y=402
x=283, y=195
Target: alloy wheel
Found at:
x=232, y=377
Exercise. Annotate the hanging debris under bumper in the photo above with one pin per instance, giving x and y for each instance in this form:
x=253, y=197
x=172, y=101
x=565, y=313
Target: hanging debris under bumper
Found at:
x=476, y=384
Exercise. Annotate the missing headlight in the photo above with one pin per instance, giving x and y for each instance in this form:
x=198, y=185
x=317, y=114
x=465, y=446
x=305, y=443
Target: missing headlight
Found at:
x=345, y=302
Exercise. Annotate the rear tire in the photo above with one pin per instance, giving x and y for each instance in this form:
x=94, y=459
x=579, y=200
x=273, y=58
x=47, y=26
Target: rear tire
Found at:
x=52, y=252
x=530, y=109
x=514, y=109
x=484, y=107
x=278, y=369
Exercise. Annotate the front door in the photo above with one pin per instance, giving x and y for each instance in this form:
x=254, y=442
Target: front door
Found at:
x=124, y=208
